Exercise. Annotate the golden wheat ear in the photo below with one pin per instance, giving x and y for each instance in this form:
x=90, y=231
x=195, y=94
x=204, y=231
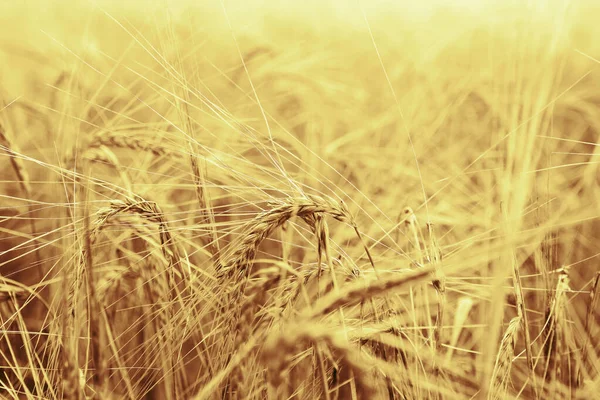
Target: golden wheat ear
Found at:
x=501, y=373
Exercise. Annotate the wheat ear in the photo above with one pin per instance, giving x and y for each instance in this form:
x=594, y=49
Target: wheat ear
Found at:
x=501, y=372
x=366, y=289
x=257, y=230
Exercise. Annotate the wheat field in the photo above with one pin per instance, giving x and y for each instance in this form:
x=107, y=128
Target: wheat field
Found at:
x=299, y=200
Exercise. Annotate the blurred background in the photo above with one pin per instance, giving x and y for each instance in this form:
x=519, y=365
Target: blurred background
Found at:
x=482, y=117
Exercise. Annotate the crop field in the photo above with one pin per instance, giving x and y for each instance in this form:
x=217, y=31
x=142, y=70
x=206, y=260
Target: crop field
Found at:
x=299, y=199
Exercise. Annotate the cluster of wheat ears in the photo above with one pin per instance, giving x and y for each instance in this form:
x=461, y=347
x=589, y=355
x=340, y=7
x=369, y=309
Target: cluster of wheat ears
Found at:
x=243, y=204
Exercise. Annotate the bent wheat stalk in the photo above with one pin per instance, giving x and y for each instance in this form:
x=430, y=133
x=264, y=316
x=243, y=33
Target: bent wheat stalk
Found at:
x=257, y=230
